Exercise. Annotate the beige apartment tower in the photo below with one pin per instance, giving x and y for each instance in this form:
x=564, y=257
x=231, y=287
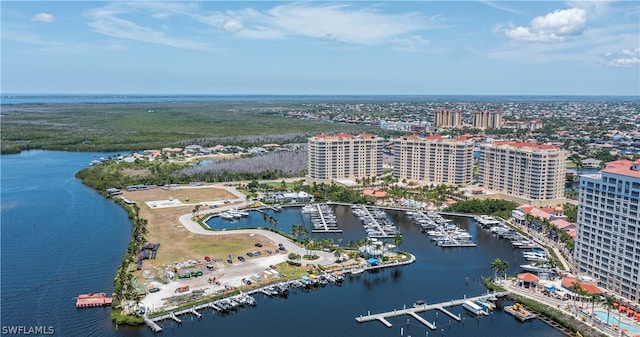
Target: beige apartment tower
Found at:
x=433, y=160
x=523, y=172
x=487, y=120
x=345, y=156
x=448, y=118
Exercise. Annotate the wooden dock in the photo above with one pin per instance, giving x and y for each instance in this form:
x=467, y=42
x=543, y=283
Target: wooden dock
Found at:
x=413, y=311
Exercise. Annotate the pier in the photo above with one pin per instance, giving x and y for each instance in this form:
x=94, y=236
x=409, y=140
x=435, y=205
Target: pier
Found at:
x=370, y=220
x=323, y=222
x=413, y=311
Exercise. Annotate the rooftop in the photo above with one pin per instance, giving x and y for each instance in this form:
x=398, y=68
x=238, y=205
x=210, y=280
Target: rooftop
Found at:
x=624, y=167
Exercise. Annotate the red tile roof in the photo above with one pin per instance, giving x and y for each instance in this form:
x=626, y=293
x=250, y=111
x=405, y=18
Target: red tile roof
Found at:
x=528, y=277
x=591, y=288
x=623, y=167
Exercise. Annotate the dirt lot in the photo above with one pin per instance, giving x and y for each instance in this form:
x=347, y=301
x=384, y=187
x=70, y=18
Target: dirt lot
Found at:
x=176, y=243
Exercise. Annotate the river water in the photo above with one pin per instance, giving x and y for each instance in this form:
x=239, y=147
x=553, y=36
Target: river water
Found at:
x=60, y=238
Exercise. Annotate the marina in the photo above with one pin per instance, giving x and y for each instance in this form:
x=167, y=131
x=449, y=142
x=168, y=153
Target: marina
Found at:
x=375, y=222
x=322, y=218
x=413, y=311
x=442, y=231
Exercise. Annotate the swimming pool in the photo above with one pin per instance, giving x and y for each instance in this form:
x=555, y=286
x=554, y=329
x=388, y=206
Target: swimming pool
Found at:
x=613, y=319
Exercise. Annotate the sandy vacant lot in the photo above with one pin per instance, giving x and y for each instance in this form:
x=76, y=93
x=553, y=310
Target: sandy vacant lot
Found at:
x=177, y=244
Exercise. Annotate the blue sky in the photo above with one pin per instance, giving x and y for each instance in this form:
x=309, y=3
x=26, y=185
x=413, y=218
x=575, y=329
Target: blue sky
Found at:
x=361, y=47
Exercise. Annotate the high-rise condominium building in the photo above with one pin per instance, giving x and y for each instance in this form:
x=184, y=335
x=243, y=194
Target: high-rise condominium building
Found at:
x=523, y=172
x=345, y=156
x=448, y=118
x=433, y=159
x=607, y=245
x=487, y=119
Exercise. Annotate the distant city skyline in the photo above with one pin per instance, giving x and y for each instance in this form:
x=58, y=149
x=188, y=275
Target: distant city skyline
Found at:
x=321, y=48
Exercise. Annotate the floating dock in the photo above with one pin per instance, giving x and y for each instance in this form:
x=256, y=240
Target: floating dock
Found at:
x=413, y=311
x=519, y=312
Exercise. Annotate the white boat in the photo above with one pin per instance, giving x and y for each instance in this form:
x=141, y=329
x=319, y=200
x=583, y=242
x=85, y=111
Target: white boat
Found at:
x=474, y=308
x=536, y=269
x=487, y=221
x=226, y=216
x=419, y=303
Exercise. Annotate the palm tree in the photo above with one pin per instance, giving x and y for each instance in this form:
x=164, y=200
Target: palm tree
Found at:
x=575, y=288
x=608, y=303
x=397, y=240
x=496, y=265
x=338, y=253
x=196, y=210
x=273, y=221
x=594, y=297
x=583, y=295
x=504, y=266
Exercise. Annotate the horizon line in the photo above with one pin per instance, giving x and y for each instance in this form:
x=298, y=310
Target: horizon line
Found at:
x=254, y=94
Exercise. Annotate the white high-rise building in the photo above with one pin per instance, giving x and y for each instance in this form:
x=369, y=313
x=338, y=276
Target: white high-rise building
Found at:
x=345, y=156
x=433, y=159
x=607, y=245
x=523, y=172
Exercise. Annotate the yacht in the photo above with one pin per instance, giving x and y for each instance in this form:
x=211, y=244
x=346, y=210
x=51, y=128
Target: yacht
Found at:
x=536, y=269
x=226, y=216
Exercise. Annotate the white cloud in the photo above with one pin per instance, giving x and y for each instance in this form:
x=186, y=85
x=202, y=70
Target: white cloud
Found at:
x=559, y=26
x=232, y=25
x=110, y=21
x=625, y=58
x=43, y=17
x=341, y=22
x=501, y=6
x=338, y=22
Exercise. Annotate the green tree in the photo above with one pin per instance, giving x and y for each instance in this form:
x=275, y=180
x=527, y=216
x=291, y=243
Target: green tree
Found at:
x=496, y=266
x=608, y=303
x=397, y=240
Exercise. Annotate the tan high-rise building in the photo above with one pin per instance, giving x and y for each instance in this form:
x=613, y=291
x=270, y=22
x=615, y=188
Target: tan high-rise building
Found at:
x=487, y=119
x=345, y=156
x=523, y=172
x=433, y=159
x=448, y=118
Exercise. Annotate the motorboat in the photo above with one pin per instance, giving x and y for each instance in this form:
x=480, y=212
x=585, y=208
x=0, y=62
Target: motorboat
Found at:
x=419, y=303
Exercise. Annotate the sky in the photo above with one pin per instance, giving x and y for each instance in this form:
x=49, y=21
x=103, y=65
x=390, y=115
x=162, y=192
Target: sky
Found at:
x=321, y=48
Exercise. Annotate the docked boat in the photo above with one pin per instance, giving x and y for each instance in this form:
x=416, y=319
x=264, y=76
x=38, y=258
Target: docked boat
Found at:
x=226, y=216
x=419, y=303
x=486, y=304
x=474, y=308
x=536, y=269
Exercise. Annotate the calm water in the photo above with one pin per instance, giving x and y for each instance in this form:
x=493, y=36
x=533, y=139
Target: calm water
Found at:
x=60, y=238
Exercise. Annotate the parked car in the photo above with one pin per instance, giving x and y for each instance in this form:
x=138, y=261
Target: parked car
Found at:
x=281, y=246
x=230, y=256
x=241, y=258
x=272, y=266
x=230, y=260
x=258, y=244
x=246, y=281
x=208, y=259
x=250, y=254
